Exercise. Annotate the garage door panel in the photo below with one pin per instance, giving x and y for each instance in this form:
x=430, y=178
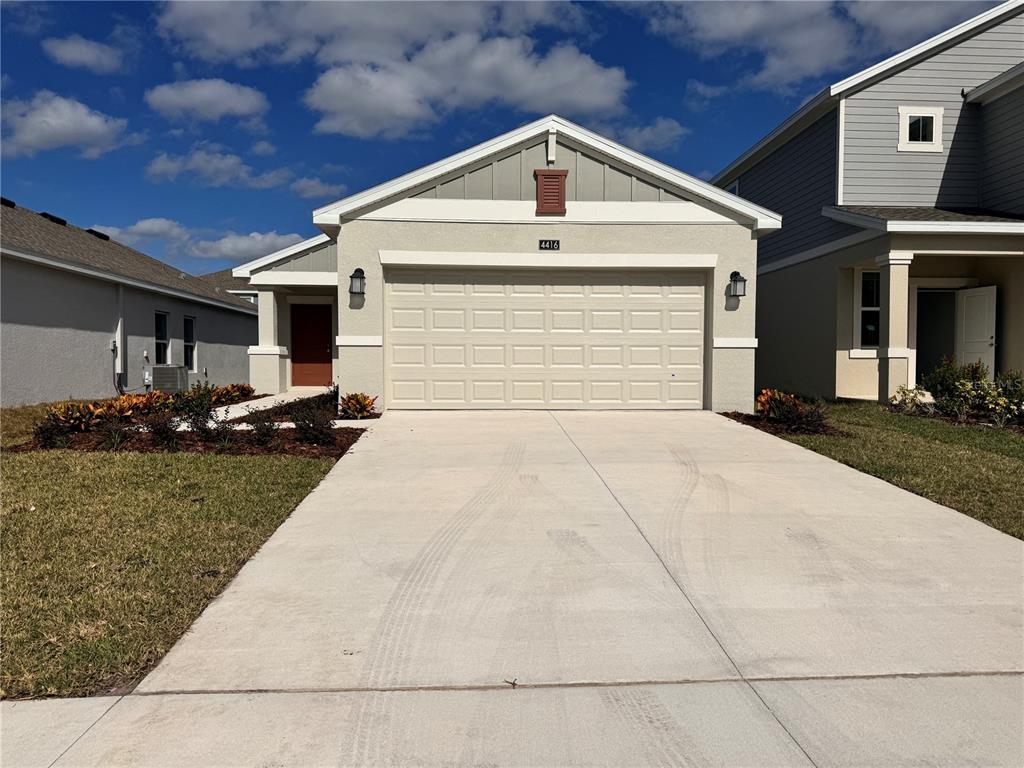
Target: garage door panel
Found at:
x=528, y=339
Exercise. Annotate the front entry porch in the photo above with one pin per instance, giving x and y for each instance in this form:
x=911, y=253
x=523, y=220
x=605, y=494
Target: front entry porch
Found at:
x=901, y=312
x=296, y=344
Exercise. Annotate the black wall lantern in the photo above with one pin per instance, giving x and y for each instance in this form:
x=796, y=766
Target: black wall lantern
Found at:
x=357, y=282
x=737, y=285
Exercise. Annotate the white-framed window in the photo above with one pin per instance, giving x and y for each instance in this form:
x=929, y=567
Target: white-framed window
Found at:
x=189, y=336
x=867, y=309
x=920, y=129
x=161, y=339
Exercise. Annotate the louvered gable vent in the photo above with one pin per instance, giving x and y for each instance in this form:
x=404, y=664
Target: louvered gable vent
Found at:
x=550, y=191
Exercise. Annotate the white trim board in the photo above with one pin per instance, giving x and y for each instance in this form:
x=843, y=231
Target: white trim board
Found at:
x=524, y=212
x=720, y=342
x=268, y=350
x=359, y=341
x=998, y=86
x=297, y=279
x=760, y=218
x=245, y=270
x=549, y=260
x=121, y=280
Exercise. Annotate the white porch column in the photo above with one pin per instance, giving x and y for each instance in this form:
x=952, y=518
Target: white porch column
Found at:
x=268, y=360
x=893, y=354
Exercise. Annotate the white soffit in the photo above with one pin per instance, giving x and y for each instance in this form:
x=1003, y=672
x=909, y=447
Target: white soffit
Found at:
x=524, y=211
x=549, y=260
x=760, y=218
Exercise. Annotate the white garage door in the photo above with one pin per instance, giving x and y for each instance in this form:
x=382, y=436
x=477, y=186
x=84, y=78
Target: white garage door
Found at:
x=544, y=339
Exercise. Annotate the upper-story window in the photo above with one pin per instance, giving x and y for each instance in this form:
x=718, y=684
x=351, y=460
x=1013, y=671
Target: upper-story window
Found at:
x=920, y=129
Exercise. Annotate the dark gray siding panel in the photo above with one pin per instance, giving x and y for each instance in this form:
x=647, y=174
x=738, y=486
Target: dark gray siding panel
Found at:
x=797, y=180
x=1002, y=131
x=875, y=173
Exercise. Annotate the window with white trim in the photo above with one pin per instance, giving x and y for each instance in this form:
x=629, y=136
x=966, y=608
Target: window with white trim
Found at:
x=161, y=339
x=920, y=129
x=189, y=336
x=869, y=310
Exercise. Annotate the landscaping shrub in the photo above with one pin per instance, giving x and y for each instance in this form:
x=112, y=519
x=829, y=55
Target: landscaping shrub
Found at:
x=313, y=422
x=790, y=413
x=232, y=393
x=195, y=407
x=51, y=433
x=356, y=405
x=73, y=416
x=264, y=428
x=1011, y=384
x=911, y=401
x=116, y=430
x=942, y=382
x=162, y=425
x=221, y=433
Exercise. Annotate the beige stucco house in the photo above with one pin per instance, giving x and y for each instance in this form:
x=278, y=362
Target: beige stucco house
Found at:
x=547, y=268
x=902, y=188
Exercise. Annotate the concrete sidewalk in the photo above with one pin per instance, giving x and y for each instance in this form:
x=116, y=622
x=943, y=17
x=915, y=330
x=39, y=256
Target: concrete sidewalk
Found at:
x=661, y=589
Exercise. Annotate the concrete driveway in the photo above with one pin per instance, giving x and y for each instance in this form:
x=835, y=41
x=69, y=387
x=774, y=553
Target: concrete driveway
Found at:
x=532, y=588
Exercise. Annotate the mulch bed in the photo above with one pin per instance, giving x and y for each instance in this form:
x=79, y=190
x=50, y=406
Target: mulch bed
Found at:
x=778, y=428
x=243, y=443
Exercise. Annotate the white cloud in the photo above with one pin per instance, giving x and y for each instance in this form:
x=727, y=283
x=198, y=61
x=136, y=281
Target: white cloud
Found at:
x=464, y=72
x=210, y=166
x=244, y=247
x=179, y=240
x=793, y=42
x=77, y=51
x=50, y=121
x=699, y=94
x=263, y=148
x=311, y=188
x=206, y=100
x=394, y=68
x=661, y=133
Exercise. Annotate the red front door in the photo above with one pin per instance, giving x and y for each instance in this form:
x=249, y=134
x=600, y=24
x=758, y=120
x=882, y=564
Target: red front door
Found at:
x=311, y=345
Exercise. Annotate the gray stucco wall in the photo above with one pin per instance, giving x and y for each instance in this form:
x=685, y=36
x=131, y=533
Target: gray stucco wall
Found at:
x=875, y=173
x=56, y=328
x=1002, y=132
x=510, y=177
x=797, y=180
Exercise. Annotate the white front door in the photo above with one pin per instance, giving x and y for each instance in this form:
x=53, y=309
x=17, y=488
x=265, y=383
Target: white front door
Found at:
x=976, y=326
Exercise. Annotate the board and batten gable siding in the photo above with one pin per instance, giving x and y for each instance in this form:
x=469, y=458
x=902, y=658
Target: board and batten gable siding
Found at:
x=875, y=173
x=323, y=258
x=1002, y=140
x=797, y=180
x=510, y=177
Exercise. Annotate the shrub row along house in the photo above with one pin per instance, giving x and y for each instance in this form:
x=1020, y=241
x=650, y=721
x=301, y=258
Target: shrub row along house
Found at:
x=902, y=192
x=84, y=317
x=547, y=268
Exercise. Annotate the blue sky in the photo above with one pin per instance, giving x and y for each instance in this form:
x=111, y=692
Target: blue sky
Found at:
x=205, y=133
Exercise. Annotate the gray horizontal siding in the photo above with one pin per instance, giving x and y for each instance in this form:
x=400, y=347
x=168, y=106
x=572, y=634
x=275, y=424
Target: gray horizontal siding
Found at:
x=797, y=180
x=321, y=259
x=1002, y=184
x=510, y=177
x=875, y=173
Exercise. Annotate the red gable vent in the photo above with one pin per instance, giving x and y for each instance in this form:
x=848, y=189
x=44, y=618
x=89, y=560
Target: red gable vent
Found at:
x=550, y=191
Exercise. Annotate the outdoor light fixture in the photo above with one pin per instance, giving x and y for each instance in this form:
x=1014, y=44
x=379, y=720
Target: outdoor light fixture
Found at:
x=737, y=285
x=357, y=282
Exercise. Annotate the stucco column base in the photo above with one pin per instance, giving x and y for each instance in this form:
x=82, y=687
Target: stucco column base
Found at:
x=268, y=370
x=732, y=378
x=892, y=374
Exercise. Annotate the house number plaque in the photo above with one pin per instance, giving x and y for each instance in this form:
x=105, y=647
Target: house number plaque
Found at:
x=550, y=245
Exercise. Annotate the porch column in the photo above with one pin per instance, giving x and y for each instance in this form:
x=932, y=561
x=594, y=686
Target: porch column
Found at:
x=893, y=354
x=268, y=361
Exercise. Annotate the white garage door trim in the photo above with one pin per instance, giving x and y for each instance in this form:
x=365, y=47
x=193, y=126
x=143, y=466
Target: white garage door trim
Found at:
x=528, y=338
x=550, y=260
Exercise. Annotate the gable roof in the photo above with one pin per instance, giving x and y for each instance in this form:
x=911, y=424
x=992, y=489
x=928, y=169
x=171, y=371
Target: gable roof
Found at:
x=226, y=281
x=30, y=236
x=825, y=99
x=998, y=86
x=760, y=218
x=244, y=271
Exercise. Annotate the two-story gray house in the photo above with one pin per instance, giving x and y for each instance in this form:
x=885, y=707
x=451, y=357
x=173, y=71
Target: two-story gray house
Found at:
x=902, y=195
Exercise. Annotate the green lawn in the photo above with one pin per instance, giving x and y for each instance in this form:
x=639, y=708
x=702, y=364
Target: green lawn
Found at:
x=16, y=423
x=976, y=470
x=109, y=557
